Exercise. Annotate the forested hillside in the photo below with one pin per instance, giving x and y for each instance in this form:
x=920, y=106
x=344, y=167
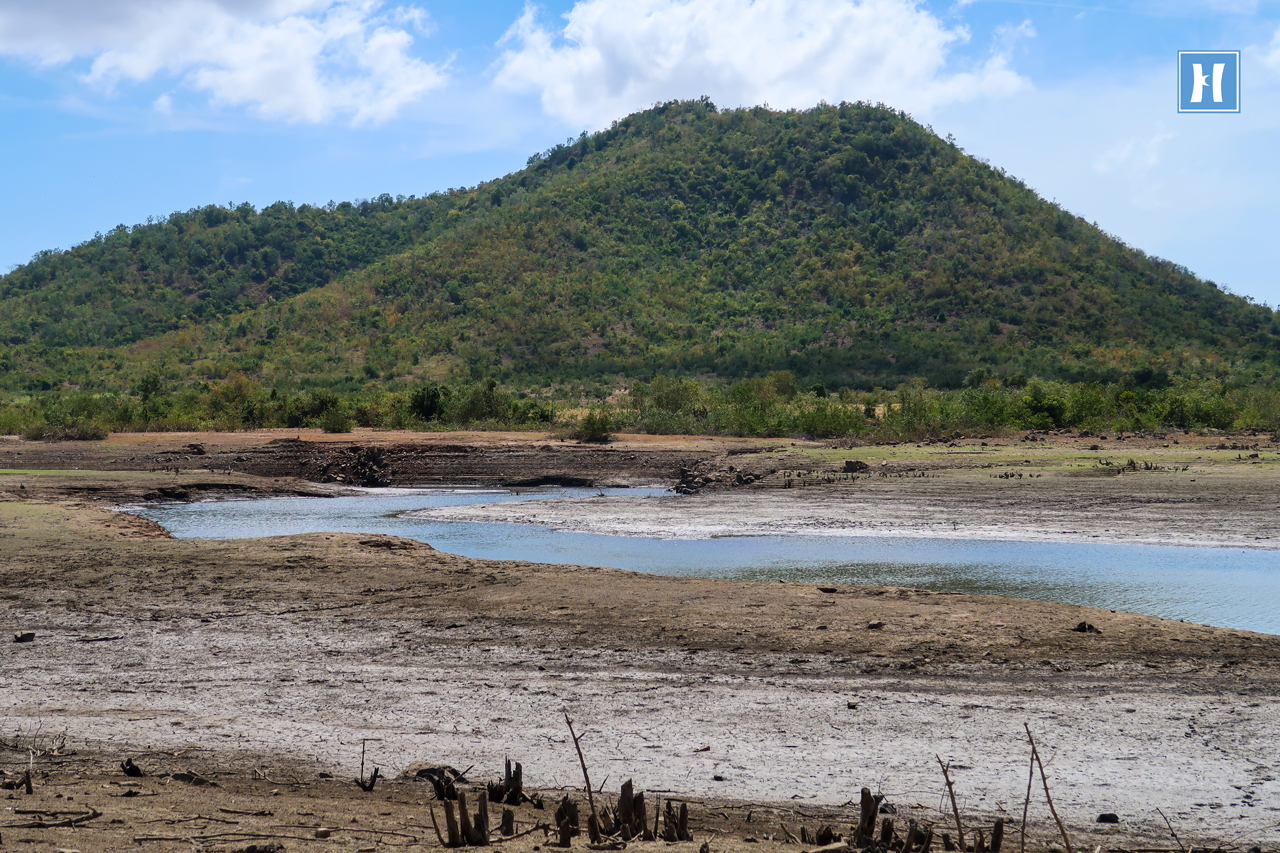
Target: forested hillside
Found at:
x=846, y=244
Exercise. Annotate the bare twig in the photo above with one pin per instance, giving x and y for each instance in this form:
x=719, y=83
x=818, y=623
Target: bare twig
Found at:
x=591, y=800
x=955, y=809
x=436, y=826
x=1026, y=805
x=51, y=824
x=1035, y=755
x=545, y=827
x=1171, y=831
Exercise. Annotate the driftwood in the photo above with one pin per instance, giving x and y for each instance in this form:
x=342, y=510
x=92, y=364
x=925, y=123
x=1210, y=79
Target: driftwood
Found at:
x=73, y=820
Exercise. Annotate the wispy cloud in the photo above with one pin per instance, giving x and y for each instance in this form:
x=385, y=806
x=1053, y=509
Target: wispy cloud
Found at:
x=612, y=57
x=1132, y=154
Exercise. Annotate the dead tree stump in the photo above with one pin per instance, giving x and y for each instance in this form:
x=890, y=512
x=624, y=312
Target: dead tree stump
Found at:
x=451, y=825
x=867, y=825
x=997, y=835
x=641, y=824
x=567, y=820
x=464, y=819
x=481, y=836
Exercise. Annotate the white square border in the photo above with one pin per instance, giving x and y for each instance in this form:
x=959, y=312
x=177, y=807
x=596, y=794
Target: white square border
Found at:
x=1239, y=74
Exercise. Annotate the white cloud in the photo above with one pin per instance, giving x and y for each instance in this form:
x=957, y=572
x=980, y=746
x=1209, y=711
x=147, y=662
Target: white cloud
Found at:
x=1132, y=154
x=1272, y=57
x=616, y=56
x=297, y=60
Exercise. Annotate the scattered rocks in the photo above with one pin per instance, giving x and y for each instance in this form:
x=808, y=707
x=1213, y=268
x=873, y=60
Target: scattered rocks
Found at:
x=1086, y=628
x=1108, y=817
x=25, y=637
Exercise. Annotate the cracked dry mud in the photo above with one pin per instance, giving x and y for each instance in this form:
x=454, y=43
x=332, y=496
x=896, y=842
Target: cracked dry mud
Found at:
x=260, y=664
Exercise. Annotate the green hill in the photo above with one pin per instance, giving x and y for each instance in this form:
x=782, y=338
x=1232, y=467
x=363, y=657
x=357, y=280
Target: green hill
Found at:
x=846, y=244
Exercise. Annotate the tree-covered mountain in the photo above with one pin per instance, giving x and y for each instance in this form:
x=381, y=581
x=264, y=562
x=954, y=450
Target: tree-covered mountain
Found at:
x=846, y=244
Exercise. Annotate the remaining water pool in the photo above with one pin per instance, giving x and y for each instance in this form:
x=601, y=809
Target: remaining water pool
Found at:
x=1216, y=586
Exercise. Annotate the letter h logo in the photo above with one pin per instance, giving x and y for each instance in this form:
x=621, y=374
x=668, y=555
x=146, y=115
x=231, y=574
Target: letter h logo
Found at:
x=1209, y=81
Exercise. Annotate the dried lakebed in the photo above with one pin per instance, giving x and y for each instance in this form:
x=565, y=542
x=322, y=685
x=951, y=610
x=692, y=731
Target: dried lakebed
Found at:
x=294, y=649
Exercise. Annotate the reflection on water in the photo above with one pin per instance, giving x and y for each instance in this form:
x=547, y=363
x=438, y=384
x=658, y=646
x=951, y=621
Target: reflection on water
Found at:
x=1217, y=586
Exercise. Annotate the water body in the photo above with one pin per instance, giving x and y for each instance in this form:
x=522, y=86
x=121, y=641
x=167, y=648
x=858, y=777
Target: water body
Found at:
x=1232, y=588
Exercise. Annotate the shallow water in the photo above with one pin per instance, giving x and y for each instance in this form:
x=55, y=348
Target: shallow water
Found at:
x=1232, y=588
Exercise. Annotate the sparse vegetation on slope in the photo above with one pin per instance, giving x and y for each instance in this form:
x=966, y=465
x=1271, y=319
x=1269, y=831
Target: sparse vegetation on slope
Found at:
x=845, y=245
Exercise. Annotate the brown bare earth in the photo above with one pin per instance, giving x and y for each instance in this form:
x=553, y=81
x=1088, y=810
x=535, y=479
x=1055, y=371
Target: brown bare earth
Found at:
x=260, y=665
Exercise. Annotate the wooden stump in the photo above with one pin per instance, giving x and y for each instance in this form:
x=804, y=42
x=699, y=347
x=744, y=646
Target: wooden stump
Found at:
x=464, y=819
x=641, y=824
x=508, y=825
x=626, y=804
x=451, y=825
x=867, y=826
x=997, y=835
x=481, y=836
x=886, y=832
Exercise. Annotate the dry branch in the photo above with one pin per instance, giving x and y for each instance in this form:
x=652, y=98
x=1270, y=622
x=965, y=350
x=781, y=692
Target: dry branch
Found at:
x=946, y=775
x=1035, y=755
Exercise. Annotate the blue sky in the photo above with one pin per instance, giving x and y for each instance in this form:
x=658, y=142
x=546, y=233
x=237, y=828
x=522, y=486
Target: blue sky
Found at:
x=112, y=111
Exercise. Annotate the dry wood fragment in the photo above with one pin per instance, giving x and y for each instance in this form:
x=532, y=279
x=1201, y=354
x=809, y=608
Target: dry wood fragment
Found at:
x=867, y=825
x=1035, y=755
x=464, y=820
x=436, y=826
x=451, y=825
x=913, y=832
x=544, y=827
x=946, y=775
x=482, y=822
x=997, y=835
x=74, y=820
x=626, y=804
x=641, y=825
x=591, y=800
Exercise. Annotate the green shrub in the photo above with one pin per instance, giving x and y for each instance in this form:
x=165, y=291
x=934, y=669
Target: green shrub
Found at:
x=428, y=401
x=594, y=426
x=336, y=420
x=72, y=430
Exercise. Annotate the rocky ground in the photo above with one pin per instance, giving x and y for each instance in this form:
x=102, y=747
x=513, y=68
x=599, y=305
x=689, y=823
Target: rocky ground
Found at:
x=268, y=666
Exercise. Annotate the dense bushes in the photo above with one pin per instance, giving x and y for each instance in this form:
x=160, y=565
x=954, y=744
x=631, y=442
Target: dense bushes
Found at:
x=765, y=406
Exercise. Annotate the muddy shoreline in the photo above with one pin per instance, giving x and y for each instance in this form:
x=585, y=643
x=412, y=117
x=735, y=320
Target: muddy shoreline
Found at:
x=284, y=654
